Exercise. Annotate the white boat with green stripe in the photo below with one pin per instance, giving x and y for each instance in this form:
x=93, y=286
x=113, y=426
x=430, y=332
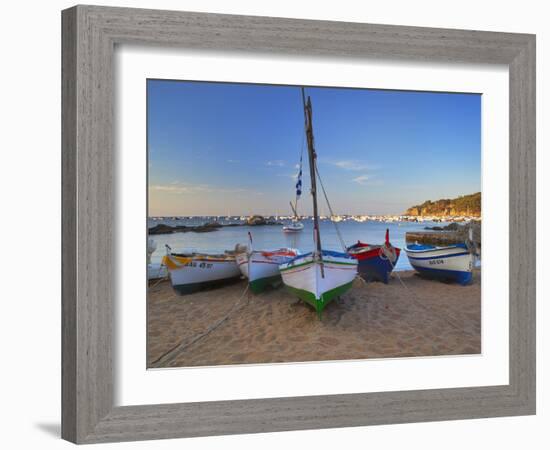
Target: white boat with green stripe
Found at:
x=261, y=267
x=323, y=275
x=318, y=279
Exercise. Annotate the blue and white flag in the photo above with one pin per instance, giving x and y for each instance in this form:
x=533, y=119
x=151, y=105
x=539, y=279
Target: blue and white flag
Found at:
x=299, y=181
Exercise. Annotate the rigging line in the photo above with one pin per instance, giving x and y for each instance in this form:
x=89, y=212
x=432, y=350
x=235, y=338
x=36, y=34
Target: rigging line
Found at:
x=299, y=170
x=339, y=234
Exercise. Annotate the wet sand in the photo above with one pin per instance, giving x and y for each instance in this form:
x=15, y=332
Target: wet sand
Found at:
x=427, y=318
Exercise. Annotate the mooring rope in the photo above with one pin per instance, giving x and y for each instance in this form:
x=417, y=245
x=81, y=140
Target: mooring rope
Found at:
x=388, y=253
x=160, y=279
x=175, y=351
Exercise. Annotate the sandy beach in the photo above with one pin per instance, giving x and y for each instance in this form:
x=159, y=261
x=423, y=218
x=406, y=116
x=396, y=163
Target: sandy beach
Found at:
x=223, y=326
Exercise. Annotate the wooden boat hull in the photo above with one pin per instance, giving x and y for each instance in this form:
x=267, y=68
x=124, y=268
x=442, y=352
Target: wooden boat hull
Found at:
x=303, y=277
x=375, y=264
x=190, y=274
x=453, y=262
x=262, y=267
x=156, y=271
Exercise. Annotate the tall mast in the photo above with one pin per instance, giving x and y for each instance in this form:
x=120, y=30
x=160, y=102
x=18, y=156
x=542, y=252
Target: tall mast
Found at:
x=312, y=173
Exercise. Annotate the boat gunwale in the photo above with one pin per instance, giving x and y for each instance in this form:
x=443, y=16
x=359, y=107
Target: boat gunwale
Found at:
x=425, y=258
x=312, y=261
x=429, y=248
x=325, y=253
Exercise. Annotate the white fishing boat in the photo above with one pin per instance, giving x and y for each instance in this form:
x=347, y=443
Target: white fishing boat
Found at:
x=155, y=271
x=453, y=262
x=319, y=278
x=322, y=275
x=261, y=267
x=191, y=272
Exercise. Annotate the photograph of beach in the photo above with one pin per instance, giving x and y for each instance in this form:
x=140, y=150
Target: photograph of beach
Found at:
x=294, y=224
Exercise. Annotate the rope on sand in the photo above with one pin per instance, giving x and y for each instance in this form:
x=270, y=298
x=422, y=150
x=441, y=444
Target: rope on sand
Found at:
x=175, y=351
x=160, y=279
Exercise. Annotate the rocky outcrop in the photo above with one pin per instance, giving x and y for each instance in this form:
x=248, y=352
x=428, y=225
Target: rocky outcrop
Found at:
x=256, y=220
x=260, y=220
x=450, y=234
x=451, y=227
x=162, y=228
x=466, y=205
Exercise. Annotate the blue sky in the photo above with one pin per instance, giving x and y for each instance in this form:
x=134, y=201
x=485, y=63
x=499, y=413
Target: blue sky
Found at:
x=220, y=149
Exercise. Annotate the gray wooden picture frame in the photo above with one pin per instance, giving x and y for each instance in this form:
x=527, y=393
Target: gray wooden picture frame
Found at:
x=90, y=34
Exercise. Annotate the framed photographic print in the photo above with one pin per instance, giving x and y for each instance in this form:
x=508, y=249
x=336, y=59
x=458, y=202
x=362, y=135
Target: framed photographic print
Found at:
x=268, y=222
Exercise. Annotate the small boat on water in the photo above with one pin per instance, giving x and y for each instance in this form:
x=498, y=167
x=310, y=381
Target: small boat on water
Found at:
x=376, y=262
x=294, y=227
x=192, y=272
x=261, y=267
x=322, y=275
x=454, y=262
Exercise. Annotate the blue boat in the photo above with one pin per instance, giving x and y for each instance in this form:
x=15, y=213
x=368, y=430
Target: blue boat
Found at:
x=376, y=262
x=454, y=262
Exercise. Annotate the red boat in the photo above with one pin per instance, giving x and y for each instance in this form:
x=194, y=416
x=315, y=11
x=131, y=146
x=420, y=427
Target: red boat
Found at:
x=376, y=262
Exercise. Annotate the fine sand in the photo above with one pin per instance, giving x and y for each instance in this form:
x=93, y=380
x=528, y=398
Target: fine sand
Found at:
x=223, y=326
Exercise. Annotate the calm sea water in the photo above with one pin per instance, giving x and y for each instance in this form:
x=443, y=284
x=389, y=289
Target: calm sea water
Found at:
x=272, y=236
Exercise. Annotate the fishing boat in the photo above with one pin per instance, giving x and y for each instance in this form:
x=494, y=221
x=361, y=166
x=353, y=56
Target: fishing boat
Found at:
x=322, y=275
x=296, y=226
x=261, y=267
x=319, y=277
x=454, y=262
x=191, y=272
x=376, y=262
x=155, y=271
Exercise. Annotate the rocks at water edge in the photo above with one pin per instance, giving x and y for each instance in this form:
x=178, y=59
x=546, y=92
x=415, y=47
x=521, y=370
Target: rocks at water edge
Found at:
x=453, y=233
x=162, y=228
x=260, y=220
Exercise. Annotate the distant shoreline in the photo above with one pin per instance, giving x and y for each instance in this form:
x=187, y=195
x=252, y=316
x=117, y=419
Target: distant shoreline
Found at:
x=214, y=223
x=400, y=217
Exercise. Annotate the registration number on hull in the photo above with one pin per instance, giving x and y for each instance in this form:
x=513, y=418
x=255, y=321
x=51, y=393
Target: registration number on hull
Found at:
x=201, y=265
x=433, y=262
